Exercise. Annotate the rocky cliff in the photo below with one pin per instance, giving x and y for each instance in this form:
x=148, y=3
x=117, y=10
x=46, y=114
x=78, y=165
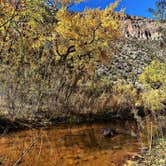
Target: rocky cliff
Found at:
x=141, y=46
x=141, y=28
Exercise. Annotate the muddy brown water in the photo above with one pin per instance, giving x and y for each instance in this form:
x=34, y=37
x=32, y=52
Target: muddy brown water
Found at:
x=82, y=145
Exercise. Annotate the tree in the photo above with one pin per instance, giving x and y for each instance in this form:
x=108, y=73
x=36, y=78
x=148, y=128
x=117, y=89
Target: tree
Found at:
x=154, y=80
x=160, y=11
x=160, y=14
x=45, y=54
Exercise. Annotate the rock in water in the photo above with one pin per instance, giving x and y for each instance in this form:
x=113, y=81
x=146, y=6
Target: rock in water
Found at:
x=108, y=132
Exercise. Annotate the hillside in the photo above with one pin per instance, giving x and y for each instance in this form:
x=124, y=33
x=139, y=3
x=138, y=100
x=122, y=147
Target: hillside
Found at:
x=143, y=43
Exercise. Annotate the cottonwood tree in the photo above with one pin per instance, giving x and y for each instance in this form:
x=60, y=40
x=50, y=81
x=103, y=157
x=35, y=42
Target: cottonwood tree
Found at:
x=160, y=14
x=160, y=11
x=45, y=52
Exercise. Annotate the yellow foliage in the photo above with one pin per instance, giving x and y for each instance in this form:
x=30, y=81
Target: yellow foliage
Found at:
x=124, y=96
x=155, y=73
x=154, y=81
x=153, y=99
x=44, y=49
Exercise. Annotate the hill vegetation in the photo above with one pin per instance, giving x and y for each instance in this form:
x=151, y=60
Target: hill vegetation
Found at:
x=61, y=66
x=48, y=53
x=51, y=60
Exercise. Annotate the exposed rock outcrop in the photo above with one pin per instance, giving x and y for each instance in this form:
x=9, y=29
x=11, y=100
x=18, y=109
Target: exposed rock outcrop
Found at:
x=141, y=46
x=141, y=28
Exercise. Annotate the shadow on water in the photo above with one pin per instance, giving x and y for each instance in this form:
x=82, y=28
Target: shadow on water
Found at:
x=82, y=145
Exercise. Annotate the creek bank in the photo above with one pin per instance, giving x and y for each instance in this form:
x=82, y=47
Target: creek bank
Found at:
x=154, y=157
x=7, y=125
x=157, y=156
x=155, y=152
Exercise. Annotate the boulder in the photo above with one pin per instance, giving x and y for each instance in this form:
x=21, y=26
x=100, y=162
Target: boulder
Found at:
x=108, y=132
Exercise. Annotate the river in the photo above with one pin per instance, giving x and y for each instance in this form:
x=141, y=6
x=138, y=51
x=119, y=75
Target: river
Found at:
x=69, y=145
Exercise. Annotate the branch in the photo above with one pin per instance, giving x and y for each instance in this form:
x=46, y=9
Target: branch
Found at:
x=94, y=33
x=24, y=153
x=13, y=15
x=57, y=49
x=70, y=50
x=8, y=20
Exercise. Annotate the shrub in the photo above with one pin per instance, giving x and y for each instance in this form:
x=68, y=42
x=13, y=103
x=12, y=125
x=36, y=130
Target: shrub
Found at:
x=123, y=98
x=154, y=81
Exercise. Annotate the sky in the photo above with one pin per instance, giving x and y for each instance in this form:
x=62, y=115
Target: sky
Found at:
x=132, y=7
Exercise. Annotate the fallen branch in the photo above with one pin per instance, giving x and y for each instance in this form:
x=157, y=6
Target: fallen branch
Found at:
x=24, y=153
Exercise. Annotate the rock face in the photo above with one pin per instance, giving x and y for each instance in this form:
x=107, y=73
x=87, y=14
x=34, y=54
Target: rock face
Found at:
x=140, y=28
x=141, y=46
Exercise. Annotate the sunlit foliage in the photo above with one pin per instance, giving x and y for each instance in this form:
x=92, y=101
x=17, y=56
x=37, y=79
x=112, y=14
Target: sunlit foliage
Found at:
x=154, y=81
x=124, y=98
x=154, y=75
x=150, y=95
x=46, y=50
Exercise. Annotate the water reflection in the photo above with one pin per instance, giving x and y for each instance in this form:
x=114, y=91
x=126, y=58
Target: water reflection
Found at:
x=64, y=146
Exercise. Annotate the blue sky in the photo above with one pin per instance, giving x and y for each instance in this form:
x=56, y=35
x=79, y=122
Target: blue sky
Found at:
x=133, y=7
